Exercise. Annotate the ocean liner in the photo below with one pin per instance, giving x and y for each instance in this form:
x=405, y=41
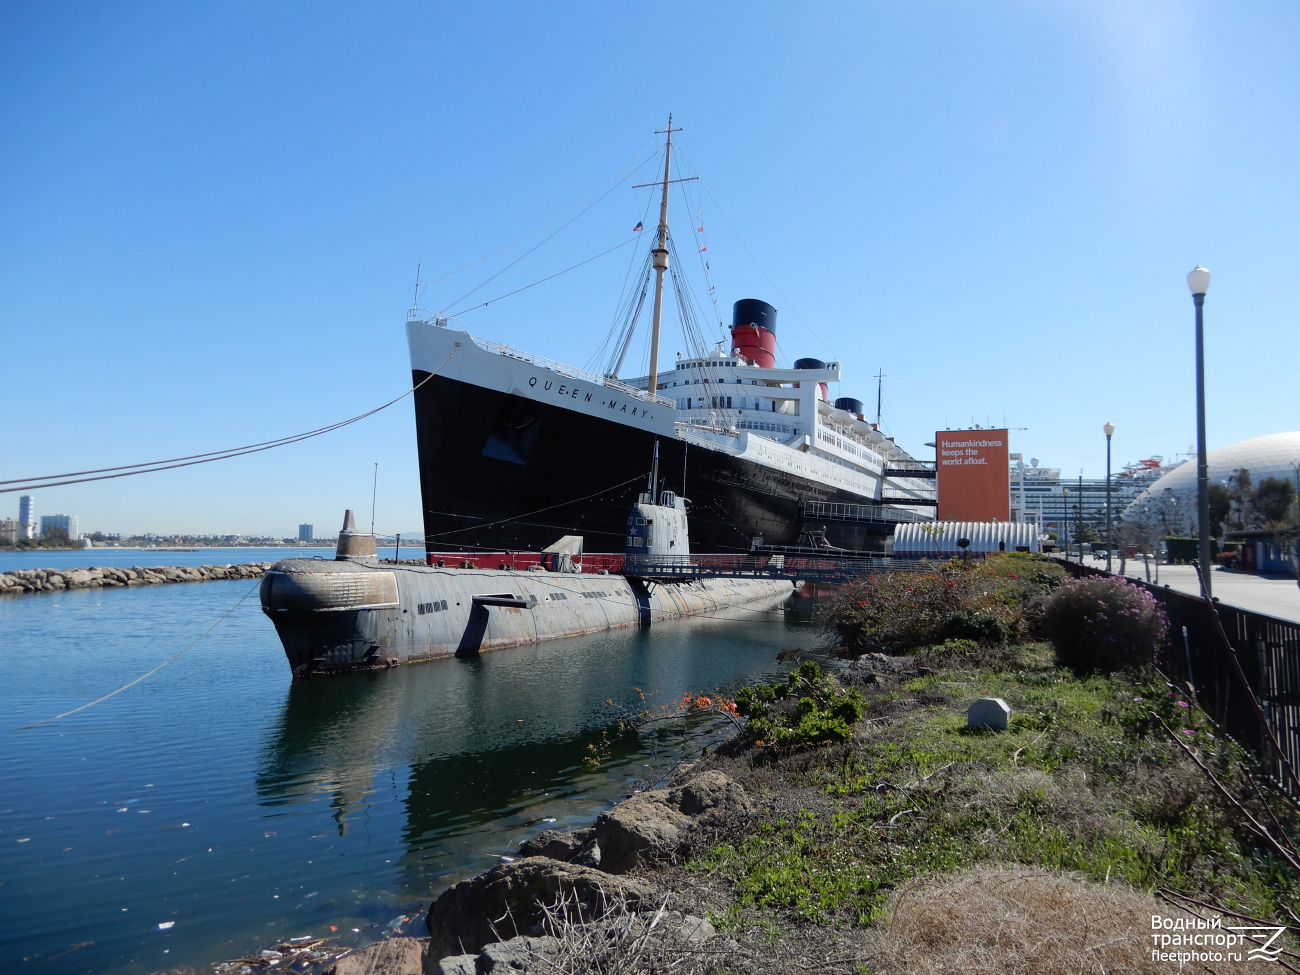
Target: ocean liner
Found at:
x=516, y=450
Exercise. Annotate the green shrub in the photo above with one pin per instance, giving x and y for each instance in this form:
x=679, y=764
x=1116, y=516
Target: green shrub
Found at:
x=980, y=627
x=822, y=712
x=1104, y=624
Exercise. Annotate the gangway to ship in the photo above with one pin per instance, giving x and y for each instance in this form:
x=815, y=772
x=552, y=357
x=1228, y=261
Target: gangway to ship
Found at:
x=924, y=469
x=880, y=514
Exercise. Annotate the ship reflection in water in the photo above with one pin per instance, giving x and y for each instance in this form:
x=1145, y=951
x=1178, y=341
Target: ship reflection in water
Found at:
x=480, y=752
x=236, y=806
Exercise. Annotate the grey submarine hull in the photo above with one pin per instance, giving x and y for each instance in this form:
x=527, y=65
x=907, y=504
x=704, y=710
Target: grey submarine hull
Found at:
x=355, y=614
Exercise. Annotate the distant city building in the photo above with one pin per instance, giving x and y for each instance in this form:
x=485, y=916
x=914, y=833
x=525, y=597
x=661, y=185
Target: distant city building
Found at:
x=67, y=522
x=26, y=519
x=1039, y=495
x=305, y=533
x=9, y=531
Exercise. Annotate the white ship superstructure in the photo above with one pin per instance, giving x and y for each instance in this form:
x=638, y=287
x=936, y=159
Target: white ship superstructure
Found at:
x=517, y=450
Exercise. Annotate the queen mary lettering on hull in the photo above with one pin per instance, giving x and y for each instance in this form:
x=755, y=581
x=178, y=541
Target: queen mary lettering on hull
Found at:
x=517, y=450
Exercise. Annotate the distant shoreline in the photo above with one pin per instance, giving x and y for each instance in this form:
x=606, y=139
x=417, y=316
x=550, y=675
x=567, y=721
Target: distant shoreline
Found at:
x=159, y=548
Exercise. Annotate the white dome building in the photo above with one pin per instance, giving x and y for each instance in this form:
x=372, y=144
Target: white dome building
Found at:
x=1268, y=456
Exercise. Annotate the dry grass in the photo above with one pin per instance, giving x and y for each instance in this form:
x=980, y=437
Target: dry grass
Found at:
x=1022, y=921
x=663, y=941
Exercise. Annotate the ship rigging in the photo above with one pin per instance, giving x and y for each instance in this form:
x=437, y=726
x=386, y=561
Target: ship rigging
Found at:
x=771, y=456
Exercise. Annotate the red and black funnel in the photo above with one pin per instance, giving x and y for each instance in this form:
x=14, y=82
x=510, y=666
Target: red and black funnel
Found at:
x=753, y=331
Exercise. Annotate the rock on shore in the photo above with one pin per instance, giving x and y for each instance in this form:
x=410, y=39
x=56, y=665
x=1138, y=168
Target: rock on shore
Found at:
x=658, y=824
x=53, y=580
x=571, y=879
x=510, y=900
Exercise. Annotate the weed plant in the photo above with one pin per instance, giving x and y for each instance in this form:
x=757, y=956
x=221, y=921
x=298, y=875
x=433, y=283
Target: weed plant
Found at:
x=808, y=709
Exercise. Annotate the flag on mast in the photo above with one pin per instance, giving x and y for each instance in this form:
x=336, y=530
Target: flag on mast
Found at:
x=638, y=228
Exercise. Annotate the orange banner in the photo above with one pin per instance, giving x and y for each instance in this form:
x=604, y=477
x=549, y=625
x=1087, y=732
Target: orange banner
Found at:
x=974, y=480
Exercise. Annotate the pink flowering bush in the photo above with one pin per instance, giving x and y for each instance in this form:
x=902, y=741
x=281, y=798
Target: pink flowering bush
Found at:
x=1104, y=624
x=988, y=602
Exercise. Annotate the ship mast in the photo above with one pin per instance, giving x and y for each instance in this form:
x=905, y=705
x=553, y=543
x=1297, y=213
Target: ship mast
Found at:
x=660, y=259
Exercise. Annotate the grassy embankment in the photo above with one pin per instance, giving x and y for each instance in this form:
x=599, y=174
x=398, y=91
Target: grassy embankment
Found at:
x=881, y=788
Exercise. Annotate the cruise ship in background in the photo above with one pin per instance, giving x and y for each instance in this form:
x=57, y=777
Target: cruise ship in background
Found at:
x=516, y=450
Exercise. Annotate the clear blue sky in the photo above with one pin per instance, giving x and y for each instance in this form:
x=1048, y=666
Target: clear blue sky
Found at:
x=211, y=216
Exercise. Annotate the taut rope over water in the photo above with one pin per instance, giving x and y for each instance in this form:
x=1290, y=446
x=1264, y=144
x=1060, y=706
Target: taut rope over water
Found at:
x=174, y=656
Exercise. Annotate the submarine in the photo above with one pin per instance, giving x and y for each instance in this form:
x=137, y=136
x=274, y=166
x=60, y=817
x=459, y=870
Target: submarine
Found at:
x=358, y=612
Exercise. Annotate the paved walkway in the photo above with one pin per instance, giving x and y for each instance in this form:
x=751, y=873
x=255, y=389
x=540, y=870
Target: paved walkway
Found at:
x=1274, y=595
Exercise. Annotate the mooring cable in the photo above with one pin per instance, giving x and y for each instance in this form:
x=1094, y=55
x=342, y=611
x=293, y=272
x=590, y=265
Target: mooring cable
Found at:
x=150, y=467
x=187, y=646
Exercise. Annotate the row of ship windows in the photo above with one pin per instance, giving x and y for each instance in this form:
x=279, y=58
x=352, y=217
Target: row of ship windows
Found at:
x=594, y=594
x=719, y=402
x=842, y=462
x=437, y=606
x=696, y=382
x=723, y=403
x=843, y=445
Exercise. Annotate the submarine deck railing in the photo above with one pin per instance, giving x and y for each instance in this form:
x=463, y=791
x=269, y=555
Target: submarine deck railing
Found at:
x=794, y=564
x=771, y=562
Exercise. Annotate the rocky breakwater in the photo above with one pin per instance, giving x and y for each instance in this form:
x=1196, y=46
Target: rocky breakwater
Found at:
x=54, y=580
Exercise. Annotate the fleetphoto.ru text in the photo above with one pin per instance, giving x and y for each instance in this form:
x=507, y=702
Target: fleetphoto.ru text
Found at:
x=1183, y=940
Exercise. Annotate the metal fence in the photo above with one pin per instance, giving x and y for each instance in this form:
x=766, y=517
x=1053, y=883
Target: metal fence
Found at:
x=1268, y=651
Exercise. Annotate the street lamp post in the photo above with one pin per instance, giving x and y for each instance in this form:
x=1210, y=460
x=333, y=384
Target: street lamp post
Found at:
x=1067, y=523
x=1079, y=521
x=1110, y=538
x=1198, y=282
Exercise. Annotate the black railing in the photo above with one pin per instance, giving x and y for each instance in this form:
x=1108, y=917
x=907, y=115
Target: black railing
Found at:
x=1268, y=651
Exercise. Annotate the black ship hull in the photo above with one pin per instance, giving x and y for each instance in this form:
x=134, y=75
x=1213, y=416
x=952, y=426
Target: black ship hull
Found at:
x=503, y=472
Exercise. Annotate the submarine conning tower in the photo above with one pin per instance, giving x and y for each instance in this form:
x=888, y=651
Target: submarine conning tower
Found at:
x=753, y=331
x=354, y=544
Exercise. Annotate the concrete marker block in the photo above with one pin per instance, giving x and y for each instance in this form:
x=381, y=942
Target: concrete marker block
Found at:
x=989, y=712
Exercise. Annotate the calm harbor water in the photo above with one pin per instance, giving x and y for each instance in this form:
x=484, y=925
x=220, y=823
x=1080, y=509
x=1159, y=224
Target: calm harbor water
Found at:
x=238, y=808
